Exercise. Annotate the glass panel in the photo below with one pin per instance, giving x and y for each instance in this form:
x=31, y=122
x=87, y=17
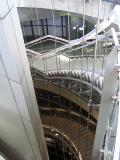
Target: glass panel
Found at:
x=47, y=45
x=28, y=31
x=111, y=133
x=58, y=21
x=49, y=21
x=58, y=31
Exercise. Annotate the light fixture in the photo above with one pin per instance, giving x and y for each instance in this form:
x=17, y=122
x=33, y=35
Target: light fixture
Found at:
x=56, y=134
x=107, y=44
x=80, y=28
x=74, y=28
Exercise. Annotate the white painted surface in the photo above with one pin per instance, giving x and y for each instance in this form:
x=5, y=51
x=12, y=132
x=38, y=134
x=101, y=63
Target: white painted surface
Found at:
x=20, y=137
x=75, y=6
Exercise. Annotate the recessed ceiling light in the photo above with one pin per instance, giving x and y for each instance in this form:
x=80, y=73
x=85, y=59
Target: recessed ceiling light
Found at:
x=56, y=134
x=74, y=28
x=81, y=29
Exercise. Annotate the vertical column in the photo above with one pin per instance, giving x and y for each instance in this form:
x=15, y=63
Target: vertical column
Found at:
x=110, y=79
x=31, y=24
x=42, y=26
x=62, y=26
x=21, y=133
x=47, y=26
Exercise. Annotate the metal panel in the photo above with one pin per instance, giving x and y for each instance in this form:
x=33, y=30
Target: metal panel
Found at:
x=109, y=89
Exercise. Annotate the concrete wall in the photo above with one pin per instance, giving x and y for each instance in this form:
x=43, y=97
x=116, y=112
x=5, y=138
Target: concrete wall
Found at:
x=21, y=133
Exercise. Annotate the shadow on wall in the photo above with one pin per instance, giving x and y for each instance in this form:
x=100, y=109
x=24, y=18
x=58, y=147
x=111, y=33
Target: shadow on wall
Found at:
x=9, y=154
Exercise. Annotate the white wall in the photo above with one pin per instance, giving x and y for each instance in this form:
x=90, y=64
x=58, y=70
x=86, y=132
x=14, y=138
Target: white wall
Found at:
x=21, y=134
x=75, y=6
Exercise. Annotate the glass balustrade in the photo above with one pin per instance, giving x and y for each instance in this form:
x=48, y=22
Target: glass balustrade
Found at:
x=45, y=46
x=110, y=136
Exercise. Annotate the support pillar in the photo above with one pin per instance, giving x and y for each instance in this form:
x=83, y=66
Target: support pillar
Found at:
x=21, y=133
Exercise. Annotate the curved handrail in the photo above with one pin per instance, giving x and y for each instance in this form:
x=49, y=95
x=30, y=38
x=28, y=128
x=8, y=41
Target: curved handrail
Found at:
x=64, y=137
x=72, y=113
x=111, y=18
x=47, y=37
x=91, y=35
x=66, y=94
x=86, y=77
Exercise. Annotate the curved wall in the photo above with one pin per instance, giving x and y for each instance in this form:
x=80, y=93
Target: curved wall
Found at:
x=20, y=138
x=66, y=94
x=75, y=6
